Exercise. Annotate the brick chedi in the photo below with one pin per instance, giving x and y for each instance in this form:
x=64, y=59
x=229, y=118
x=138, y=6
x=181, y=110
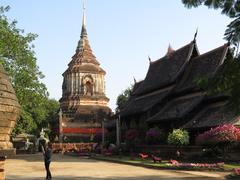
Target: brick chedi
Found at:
x=9, y=109
x=84, y=104
x=9, y=113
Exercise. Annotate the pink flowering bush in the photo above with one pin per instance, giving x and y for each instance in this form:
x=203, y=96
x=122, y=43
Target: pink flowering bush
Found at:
x=222, y=134
x=222, y=137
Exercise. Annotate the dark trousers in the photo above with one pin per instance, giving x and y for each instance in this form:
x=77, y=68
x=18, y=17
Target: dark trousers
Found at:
x=48, y=176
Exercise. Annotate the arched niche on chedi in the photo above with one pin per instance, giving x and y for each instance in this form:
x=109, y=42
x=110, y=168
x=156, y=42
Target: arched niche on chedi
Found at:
x=88, y=85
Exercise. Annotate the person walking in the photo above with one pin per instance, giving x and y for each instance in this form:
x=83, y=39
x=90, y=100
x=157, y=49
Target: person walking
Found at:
x=47, y=153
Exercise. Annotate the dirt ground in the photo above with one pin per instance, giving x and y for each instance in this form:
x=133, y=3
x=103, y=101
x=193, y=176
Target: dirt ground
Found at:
x=64, y=167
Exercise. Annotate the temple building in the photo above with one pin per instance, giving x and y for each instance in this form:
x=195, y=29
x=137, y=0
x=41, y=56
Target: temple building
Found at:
x=170, y=98
x=84, y=104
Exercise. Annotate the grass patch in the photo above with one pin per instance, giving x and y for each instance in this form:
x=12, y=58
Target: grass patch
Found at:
x=230, y=166
x=164, y=164
x=135, y=161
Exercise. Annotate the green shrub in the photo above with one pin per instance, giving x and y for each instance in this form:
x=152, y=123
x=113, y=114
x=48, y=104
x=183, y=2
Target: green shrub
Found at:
x=178, y=137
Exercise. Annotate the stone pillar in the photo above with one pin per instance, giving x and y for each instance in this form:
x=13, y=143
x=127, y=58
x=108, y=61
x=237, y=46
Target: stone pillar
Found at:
x=101, y=84
x=103, y=133
x=67, y=78
x=71, y=75
x=60, y=126
x=77, y=81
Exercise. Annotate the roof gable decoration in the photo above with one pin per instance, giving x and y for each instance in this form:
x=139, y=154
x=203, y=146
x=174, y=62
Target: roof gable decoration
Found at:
x=170, y=50
x=166, y=70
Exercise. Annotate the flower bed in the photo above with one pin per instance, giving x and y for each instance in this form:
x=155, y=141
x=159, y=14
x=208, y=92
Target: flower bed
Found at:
x=237, y=172
x=172, y=164
x=196, y=165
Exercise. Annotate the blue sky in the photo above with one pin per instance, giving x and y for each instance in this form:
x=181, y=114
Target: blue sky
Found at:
x=122, y=34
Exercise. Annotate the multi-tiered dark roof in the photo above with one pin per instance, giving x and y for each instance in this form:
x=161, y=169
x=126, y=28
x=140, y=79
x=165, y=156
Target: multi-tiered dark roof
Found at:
x=156, y=85
x=169, y=94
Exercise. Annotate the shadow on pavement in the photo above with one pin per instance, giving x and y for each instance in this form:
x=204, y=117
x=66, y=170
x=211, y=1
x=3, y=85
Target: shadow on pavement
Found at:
x=38, y=157
x=110, y=178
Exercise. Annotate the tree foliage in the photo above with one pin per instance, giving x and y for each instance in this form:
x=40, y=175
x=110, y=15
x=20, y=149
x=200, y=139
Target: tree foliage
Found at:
x=123, y=98
x=232, y=33
x=18, y=58
x=231, y=8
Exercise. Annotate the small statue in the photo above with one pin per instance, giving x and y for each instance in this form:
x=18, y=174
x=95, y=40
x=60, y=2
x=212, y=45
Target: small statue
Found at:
x=42, y=134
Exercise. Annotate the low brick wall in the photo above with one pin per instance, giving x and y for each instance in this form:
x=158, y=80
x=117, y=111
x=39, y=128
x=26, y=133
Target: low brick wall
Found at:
x=77, y=147
x=2, y=174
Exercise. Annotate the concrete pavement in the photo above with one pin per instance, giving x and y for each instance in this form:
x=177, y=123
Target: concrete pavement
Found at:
x=63, y=167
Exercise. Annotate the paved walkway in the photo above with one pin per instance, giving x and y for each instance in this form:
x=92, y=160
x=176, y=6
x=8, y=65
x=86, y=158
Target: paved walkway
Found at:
x=31, y=167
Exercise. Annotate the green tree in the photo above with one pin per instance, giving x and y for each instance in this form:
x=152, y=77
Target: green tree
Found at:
x=123, y=98
x=231, y=8
x=51, y=121
x=18, y=58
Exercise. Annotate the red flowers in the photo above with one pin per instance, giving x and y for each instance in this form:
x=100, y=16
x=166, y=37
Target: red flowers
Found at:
x=237, y=171
x=173, y=162
x=143, y=156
